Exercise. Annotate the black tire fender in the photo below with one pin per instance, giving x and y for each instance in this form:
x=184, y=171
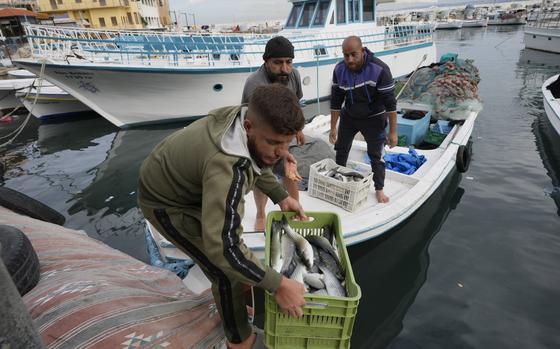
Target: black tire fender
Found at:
x=20, y=258
x=463, y=159
x=23, y=204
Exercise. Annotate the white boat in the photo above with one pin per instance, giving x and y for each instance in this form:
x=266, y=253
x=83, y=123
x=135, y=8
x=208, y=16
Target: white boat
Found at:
x=8, y=89
x=475, y=23
x=133, y=78
x=544, y=33
x=503, y=17
x=449, y=24
x=52, y=102
x=21, y=74
x=407, y=192
x=551, y=104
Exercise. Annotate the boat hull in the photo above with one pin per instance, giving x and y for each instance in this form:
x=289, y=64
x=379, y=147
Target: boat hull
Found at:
x=507, y=21
x=128, y=96
x=53, y=103
x=476, y=23
x=551, y=105
x=543, y=39
x=449, y=25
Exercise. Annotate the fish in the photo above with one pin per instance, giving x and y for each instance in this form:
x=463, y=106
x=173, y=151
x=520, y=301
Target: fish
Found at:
x=302, y=245
x=298, y=275
x=328, y=230
x=276, y=245
x=351, y=173
x=321, y=292
x=314, y=280
x=332, y=283
x=289, y=260
x=327, y=255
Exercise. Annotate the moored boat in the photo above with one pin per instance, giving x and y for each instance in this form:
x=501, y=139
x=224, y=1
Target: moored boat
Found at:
x=475, y=23
x=52, y=102
x=133, y=78
x=552, y=103
x=449, y=24
x=544, y=33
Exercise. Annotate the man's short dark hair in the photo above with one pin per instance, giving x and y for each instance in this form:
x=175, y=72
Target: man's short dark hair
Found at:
x=279, y=107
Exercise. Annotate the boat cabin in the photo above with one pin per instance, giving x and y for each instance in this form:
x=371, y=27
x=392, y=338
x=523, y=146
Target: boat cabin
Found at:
x=325, y=13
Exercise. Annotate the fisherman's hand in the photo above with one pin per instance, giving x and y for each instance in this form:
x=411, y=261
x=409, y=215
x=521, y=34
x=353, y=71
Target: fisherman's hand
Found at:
x=289, y=297
x=290, y=168
x=332, y=136
x=300, y=137
x=290, y=204
x=393, y=139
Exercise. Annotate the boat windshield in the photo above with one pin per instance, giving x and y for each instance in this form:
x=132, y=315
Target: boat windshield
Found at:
x=313, y=13
x=294, y=15
x=307, y=15
x=322, y=12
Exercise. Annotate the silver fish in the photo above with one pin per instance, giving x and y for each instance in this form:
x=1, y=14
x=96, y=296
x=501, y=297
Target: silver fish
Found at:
x=332, y=284
x=298, y=275
x=276, y=245
x=289, y=260
x=321, y=292
x=303, y=246
x=314, y=280
x=327, y=255
x=351, y=173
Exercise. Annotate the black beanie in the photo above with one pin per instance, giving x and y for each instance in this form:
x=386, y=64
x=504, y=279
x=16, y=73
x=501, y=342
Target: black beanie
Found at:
x=278, y=47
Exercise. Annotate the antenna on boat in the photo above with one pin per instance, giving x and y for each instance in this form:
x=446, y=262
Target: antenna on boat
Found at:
x=411, y=75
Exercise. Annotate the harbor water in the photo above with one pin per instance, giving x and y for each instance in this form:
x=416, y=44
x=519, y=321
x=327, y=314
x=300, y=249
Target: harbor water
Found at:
x=475, y=267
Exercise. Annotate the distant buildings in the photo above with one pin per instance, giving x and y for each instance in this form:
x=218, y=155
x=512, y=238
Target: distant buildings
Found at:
x=110, y=14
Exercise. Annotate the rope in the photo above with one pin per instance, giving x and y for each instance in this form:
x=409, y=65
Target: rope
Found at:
x=20, y=128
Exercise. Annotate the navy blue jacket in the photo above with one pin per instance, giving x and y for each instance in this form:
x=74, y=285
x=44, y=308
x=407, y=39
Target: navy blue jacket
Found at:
x=366, y=93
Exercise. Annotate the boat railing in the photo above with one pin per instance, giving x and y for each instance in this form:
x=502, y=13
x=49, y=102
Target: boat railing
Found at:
x=547, y=18
x=175, y=49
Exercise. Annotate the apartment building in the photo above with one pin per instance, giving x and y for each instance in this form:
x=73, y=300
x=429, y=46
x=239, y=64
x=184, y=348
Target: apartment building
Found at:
x=111, y=14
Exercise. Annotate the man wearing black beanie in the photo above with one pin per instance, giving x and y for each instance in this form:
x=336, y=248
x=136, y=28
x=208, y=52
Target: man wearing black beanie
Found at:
x=277, y=68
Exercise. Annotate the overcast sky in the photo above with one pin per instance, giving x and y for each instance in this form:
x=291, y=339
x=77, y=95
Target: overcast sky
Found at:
x=239, y=11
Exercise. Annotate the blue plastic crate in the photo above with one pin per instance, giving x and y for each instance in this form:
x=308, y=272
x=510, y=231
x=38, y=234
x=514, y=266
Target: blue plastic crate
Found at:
x=414, y=130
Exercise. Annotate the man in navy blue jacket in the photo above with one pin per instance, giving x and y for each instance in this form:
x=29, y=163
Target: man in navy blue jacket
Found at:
x=366, y=87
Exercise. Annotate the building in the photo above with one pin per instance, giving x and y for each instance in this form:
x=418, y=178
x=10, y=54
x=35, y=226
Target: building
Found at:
x=11, y=21
x=111, y=14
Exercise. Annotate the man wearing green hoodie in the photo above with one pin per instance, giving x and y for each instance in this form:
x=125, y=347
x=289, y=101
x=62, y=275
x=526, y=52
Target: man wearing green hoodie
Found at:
x=192, y=189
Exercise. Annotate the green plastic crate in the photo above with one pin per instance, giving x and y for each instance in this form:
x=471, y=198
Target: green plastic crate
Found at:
x=328, y=323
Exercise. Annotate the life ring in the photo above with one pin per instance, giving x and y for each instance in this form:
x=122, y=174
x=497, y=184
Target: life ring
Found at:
x=20, y=258
x=28, y=206
x=463, y=159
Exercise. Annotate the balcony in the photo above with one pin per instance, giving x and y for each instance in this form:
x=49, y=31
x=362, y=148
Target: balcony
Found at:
x=69, y=5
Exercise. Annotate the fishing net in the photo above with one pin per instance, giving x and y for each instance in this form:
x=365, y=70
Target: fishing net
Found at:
x=450, y=88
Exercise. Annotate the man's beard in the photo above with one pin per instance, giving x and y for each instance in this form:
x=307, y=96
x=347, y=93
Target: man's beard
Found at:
x=254, y=154
x=280, y=78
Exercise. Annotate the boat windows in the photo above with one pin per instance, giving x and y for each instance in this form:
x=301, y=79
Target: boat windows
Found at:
x=353, y=10
x=320, y=51
x=307, y=15
x=294, y=15
x=367, y=10
x=340, y=11
x=322, y=13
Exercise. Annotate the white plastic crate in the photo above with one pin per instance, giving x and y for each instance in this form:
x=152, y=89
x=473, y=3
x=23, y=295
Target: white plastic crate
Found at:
x=348, y=195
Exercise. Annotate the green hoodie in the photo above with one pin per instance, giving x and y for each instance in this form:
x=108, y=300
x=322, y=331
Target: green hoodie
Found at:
x=205, y=170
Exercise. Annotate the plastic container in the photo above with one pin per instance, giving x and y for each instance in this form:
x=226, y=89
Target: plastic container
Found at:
x=413, y=130
x=328, y=321
x=442, y=126
x=435, y=138
x=350, y=195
